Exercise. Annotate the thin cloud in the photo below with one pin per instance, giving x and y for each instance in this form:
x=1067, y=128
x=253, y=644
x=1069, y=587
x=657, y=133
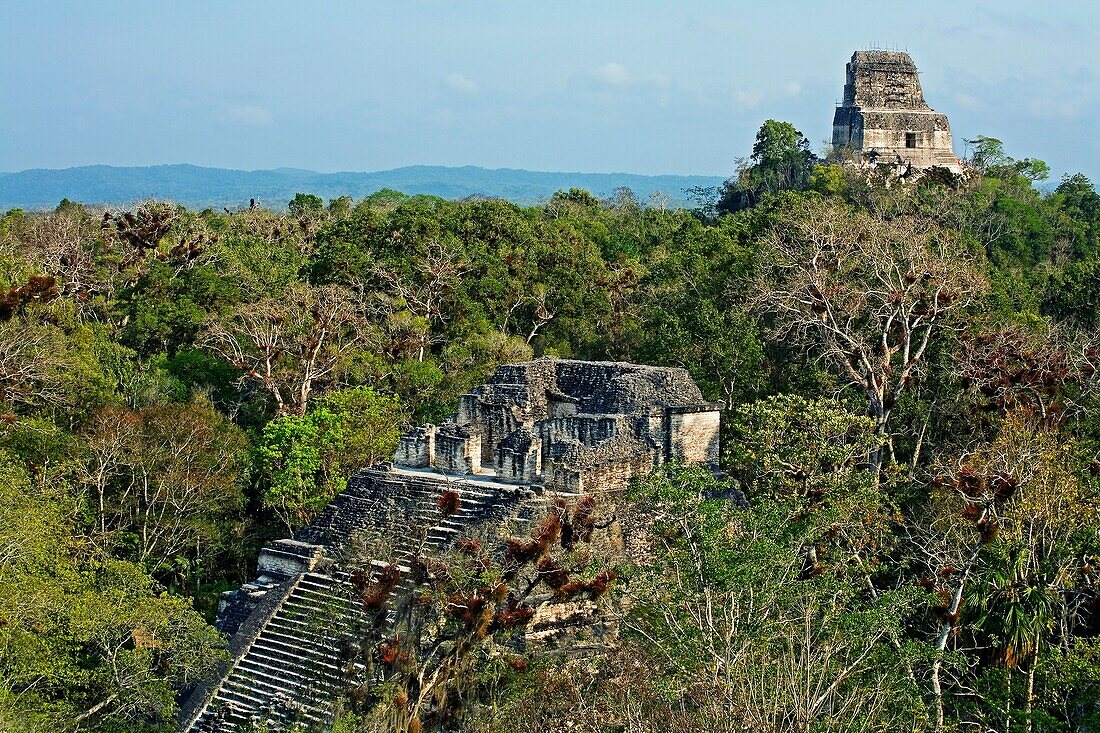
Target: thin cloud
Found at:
x=458, y=83
x=968, y=101
x=748, y=100
x=249, y=114
x=612, y=73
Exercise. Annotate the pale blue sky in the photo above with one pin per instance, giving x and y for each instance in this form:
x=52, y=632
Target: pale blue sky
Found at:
x=640, y=87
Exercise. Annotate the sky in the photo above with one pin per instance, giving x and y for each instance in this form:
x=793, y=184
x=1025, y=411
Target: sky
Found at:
x=595, y=86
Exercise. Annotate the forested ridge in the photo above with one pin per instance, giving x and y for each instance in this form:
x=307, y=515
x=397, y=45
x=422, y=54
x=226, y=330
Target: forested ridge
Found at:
x=908, y=373
x=199, y=187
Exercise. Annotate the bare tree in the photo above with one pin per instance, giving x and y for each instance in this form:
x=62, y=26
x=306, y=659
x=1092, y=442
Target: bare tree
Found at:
x=33, y=362
x=422, y=294
x=541, y=316
x=869, y=294
x=1019, y=492
x=67, y=246
x=291, y=344
x=164, y=475
x=102, y=456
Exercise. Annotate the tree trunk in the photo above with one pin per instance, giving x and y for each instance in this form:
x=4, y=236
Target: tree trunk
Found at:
x=1030, y=692
x=937, y=690
x=944, y=635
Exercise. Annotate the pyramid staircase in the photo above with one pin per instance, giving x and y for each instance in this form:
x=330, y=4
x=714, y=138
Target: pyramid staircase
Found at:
x=286, y=663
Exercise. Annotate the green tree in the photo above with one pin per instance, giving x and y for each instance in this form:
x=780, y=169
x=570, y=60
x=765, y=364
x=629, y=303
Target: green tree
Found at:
x=296, y=456
x=691, y=299
x=306, y=460
x=370, y=424
x=306, y=204
x=781, y=159
x=724, y=609
x=990, y=159
x=87, y=641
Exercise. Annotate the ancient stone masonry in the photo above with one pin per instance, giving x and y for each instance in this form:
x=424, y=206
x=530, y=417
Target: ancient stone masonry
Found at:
x=571, y=426
x=534, y=431
x=884, y=118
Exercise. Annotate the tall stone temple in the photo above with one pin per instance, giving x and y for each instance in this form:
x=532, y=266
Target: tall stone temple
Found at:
x=884, y=118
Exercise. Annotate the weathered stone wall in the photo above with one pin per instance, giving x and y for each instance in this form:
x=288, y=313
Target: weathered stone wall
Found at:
x=693, y=436
x=417, y=447
x=457, y=451
x=285, y=558
x=883, y=80
x=619, y=412
x=584, y=429
x=608, y=466
x=519, y=458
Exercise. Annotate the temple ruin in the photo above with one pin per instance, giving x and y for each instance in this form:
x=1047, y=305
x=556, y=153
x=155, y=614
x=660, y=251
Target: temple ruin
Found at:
x=884, y=118
x=535, y=431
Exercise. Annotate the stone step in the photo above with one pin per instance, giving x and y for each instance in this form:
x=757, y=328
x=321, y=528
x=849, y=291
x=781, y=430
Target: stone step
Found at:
x=240, y=701
x=256, y=663
x=323, y=611
x=251, y=705
x=275, y=653
x=299, y=605
x=278, y=650
x=251, y=700
x=291, y=636
x=267, y=686
x=262, y=687
x=295, y=656
x=295, y=628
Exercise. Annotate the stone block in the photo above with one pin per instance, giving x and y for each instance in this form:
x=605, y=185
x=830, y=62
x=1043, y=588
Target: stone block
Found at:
x=457, y=452
x=416, y=448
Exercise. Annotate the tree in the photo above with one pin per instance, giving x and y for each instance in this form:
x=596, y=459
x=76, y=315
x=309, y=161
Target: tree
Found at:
x=723, y=610
x=781, y=159
x=1048, y=520
x=33, y=362
x=289, y=345
x=168, y=482
x=306, y=204
x=424, y=653
x=990, y=159
x=1041, y=372
x=168, y=307
x=691, y=302
x=89, y=641
x=787, y=446
x=67, y=246
x=371, y=424
x=1007, y=523
x=1079, y=198
x=297, y=454
x=306, y=460
x=421, y=293
x=869, y=294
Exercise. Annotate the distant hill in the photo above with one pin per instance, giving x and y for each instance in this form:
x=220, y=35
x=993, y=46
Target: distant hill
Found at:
x=199, y=187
